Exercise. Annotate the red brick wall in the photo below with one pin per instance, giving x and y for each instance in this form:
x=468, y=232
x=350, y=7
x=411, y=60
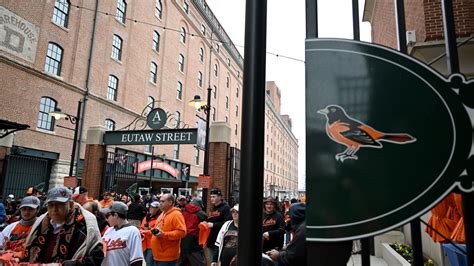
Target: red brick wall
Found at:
x=219, y=168
x=93, y=167
x=383, y=24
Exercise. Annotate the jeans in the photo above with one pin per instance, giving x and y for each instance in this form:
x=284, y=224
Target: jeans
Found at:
x=148, y=256
x=165, y=263
x=210, y=253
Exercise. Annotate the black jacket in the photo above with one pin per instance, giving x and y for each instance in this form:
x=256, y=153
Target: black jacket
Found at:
x=274, y=224
x=136, y=211
x=217, y=216
x=295, y=253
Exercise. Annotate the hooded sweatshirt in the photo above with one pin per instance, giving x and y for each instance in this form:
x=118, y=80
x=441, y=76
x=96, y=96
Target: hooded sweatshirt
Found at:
x=166, y=247
x=193, y=215
x=274, y=224
x=218, y=215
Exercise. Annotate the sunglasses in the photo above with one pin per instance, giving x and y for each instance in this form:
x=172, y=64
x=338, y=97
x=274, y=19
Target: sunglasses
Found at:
x=107, y=215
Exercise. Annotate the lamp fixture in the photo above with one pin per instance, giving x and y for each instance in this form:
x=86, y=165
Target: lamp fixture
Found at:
x=58, y=115
x=198, y=103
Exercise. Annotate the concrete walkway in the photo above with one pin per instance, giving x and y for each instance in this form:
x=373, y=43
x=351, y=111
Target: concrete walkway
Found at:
x=356, y=260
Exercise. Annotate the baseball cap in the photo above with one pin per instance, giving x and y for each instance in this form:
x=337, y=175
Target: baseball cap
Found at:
x=78, y=190
x=180, y=197
x=61, y=194
x=236, y=207
x=118, y=207
x=11, y=196
x=216, y=191
x=155, y=204
x=30, y=201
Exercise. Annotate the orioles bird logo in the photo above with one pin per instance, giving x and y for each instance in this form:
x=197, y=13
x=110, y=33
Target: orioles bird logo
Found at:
x=354, y=134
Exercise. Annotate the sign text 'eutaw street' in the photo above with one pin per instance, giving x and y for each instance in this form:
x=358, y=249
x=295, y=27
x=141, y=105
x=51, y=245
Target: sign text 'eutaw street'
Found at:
x=148, y=137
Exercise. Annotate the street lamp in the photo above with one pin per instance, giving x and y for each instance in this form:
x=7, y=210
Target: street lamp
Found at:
x=206, y=107
x=58, y=114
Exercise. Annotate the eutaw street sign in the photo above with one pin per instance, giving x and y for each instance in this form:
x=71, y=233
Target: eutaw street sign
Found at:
x=151, y=137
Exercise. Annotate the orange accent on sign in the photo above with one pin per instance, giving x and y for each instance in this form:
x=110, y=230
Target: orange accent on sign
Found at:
x=204, y=181
x=147, y=165
x=70, y=181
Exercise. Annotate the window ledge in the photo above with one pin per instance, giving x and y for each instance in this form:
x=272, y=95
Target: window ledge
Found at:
x=120, y=22
x=53, y=75
x=152, y=83
x=45, y=131
x=116, y=60
x=59, y=26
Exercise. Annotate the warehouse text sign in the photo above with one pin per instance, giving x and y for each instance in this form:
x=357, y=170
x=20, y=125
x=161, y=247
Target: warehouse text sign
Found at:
x=151, y=137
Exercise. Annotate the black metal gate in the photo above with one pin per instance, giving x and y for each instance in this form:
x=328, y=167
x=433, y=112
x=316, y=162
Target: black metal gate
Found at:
x=23, y=172
x=118, y=172
x=234, y=175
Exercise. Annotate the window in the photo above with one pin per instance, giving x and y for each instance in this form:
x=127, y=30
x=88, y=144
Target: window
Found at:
x=214, y=92
x=215, y=70
x=214, y=114
x=176, y=151
x=238, y=74
x=196, y=156
x=177, y=119
x=181, y=63
x=217, y=47
x=237, y=93
x=186, y=7
x=203, y=29
x=182, y=37
x=112, y=88
x=153, y=71
x=45, y=121
x=228, y=62
x=121, y=10
x=150, y=104
x=235, y=131
x=53, y=60
x=117, y=47
x=148, y=148
x=236, y=110
x=201, y=54
x=227, y=81
x=158, y=9
x=156, y=41
x=179, y=91
x=226, y=102
x=61, y=12
x=226, y=119
x=109, y=125
x=200, y=79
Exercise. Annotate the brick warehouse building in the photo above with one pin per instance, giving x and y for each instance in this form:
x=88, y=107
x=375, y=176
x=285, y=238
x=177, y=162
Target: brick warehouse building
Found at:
x=425, y=40
x=281, y=148
x=142, y=51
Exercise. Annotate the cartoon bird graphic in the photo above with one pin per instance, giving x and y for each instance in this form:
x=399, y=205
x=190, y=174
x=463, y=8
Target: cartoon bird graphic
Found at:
x=354, y=134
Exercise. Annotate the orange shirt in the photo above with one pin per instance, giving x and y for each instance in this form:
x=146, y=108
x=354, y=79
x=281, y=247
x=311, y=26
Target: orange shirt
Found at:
x=16, y=238
x=171, y=224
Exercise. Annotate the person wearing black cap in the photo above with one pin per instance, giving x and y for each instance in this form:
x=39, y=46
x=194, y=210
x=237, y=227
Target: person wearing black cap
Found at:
x=218, y=215
x=295, y=252
x=66, y=234
x=273, y=226
x=124, y=244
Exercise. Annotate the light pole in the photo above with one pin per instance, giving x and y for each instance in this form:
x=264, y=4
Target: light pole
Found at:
x=58, y=114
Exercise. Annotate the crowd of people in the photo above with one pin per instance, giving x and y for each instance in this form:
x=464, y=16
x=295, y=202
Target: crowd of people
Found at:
x=68, y=227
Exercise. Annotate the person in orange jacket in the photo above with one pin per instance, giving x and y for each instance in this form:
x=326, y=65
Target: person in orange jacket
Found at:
x=167, y=233
x=149, y=221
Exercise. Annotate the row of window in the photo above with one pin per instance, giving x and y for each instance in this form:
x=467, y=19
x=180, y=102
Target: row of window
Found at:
x=47, y=122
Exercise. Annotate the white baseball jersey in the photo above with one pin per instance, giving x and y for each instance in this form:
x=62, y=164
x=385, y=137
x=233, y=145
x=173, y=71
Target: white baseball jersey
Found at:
x=124, y=246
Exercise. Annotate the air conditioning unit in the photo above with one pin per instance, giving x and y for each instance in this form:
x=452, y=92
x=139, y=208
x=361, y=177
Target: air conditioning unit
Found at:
x=411, y=37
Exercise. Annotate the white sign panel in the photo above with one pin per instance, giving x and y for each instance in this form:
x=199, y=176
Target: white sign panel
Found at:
x=18, y=36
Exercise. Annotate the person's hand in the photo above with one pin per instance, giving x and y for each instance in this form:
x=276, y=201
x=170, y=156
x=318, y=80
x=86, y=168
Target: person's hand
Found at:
x=273, y=254
x=210, y=225
x=266, y=236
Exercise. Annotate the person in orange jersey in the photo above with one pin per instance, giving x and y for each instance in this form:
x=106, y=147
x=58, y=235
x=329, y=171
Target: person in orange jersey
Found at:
x=107, y=201
x=13, y=237
x=149, y=221
x=167, y=233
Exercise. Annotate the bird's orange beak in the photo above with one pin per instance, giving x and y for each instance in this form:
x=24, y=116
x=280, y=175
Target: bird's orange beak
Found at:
x=324, y=111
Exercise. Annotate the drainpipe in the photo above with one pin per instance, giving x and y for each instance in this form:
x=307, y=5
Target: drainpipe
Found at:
x=88, y=78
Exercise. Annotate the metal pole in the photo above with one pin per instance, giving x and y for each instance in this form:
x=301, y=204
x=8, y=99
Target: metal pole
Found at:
x=450, y=37
x=311, y=19
x=74, y=140
x=415, y=229
x=401, y=28
x=206, y=154
x=468, y=214
x=151, y=167
x=253, y=130
x=365, y=252
x=355, y=20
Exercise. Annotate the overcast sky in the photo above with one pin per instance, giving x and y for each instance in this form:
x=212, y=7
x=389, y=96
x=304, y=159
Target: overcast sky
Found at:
x=286, y=36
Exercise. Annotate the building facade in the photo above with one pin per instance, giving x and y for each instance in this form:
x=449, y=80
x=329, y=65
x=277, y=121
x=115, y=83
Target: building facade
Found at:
x=281, y=148
x=117, y=57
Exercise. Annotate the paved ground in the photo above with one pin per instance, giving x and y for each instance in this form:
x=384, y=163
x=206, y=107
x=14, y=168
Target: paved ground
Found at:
x=355, y=260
